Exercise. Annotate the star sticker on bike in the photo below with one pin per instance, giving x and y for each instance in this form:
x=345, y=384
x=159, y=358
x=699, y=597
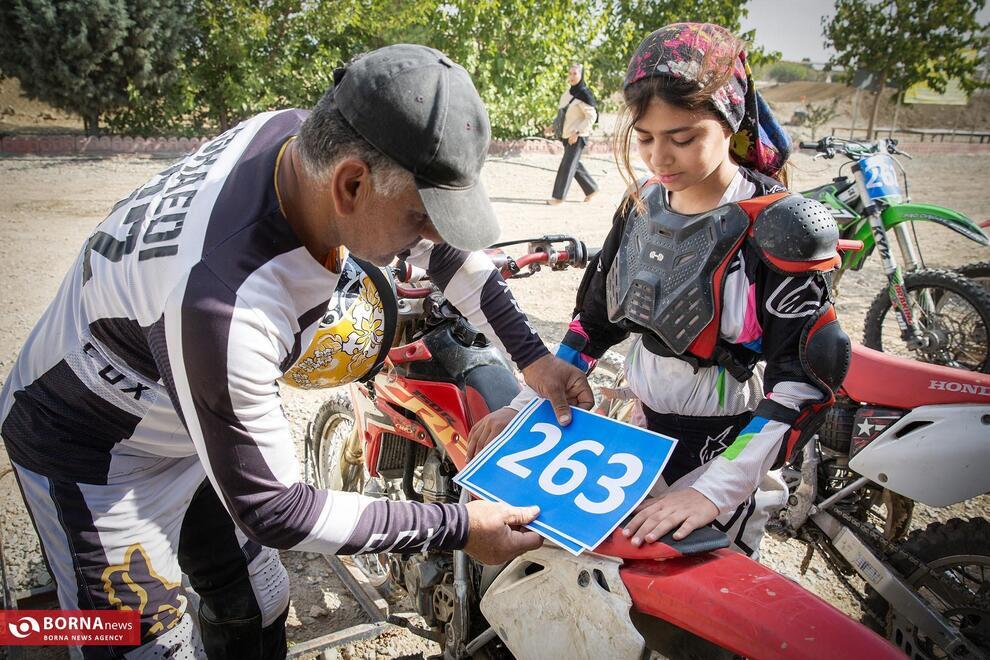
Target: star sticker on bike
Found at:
x=865, y=427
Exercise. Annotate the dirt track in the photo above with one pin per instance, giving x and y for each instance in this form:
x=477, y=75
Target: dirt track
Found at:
x=48, y=207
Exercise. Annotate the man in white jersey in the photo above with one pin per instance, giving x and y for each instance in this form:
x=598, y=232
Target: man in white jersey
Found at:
x=143, y=416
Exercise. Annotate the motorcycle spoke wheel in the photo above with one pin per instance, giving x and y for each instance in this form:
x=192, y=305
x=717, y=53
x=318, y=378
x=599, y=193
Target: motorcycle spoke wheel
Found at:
x=333, y=429
x=955, y=582
x=965, y=605
x=956, y=323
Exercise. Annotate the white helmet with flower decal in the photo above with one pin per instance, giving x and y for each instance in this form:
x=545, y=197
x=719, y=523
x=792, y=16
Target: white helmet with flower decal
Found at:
x=356, y=332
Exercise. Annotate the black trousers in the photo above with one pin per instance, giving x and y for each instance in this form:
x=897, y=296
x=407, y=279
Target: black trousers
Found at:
x=229, y=617
x=126, y=544
x=571, y=168
x=700, y=439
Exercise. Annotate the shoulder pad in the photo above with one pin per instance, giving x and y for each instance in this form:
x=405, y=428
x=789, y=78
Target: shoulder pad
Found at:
x=794, y=234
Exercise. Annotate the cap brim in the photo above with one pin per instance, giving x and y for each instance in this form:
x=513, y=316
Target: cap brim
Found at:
x=464, y=218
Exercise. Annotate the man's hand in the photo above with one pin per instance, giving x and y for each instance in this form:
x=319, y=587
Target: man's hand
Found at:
x=490, y=426
x=572, y=138
x=684, y=510
x=494, y=534
x=563, y=384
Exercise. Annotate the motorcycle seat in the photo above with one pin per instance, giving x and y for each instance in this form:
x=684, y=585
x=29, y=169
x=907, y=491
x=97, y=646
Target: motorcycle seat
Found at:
x=881, y=379
x=704, y=539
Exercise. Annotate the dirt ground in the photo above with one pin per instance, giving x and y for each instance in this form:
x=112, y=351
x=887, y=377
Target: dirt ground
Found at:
x=49, y=205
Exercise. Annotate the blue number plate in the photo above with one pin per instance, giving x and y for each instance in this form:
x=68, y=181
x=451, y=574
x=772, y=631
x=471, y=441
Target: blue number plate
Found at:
x=880, y=177
x=586, y=477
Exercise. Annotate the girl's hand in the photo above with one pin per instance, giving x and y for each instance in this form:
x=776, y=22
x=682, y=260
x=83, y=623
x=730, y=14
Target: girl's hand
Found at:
x=487, y=428
x=684, y=510
x=572, y=138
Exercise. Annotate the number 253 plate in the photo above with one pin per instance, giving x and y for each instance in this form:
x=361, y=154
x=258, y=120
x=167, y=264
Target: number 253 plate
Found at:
x=585, y=477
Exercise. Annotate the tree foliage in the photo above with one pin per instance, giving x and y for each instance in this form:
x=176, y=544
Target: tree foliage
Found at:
x=784, y=72
x=88, y=56
x=908, y=41
x=240, y=57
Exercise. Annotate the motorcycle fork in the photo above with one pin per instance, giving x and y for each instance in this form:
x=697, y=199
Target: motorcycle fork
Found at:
x=910, y=330
x=910, y=252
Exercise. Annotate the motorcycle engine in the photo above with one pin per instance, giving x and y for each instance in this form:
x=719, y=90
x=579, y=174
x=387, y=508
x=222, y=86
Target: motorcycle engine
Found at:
x=438, y=480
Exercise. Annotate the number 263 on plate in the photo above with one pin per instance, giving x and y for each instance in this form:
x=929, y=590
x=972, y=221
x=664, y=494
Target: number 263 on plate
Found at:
x=586, y=477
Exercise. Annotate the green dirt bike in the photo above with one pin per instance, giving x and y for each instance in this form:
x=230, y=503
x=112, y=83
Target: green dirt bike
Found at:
x=938, y=316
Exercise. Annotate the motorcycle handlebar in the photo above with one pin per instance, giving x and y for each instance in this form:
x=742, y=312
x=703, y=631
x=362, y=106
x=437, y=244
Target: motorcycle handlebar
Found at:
x=506, y=266
x=808, y=145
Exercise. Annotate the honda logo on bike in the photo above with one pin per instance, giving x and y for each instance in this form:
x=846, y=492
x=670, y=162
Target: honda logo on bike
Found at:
x=952, y=386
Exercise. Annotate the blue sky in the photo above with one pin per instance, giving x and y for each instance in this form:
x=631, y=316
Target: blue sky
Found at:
x=794, y=27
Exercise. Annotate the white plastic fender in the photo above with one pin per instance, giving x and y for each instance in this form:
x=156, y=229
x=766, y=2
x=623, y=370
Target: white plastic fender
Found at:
x=937, y=455
x=550, y=604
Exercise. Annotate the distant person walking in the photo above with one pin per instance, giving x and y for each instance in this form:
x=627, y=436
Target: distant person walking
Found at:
x=577, y=107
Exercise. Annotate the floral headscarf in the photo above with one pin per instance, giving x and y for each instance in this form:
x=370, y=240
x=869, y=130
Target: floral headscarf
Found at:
x=678, y=50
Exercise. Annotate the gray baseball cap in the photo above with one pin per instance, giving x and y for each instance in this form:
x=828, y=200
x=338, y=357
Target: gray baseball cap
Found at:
x=421, y=109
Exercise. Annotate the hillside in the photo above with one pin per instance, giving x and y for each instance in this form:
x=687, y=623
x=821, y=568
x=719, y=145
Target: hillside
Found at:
x=786, y=97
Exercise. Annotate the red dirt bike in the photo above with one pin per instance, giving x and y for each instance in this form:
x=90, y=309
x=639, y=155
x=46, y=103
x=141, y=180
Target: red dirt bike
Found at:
x=901, y=432
x=404, y=436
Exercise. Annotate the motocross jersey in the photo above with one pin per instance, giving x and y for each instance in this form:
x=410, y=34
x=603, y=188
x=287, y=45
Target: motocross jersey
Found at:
x=169, y=333
x=763, y=314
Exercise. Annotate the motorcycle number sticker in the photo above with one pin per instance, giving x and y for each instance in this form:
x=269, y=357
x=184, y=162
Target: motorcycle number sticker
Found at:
x=586, y=477
x=880, y=178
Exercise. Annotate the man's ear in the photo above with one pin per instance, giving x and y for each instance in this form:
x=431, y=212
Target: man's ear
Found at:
x=350, y=185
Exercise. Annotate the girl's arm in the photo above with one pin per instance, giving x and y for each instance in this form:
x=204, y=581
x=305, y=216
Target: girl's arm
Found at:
x=786, y=305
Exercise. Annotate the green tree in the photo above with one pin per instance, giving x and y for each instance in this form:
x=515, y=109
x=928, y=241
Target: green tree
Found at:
x=907, y=41
x=251, y=56
x=517, y=52
x=789, y=72
x=90, y=56
x=818, y=115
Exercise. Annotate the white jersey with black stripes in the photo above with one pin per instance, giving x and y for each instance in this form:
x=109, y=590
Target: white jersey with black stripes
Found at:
x=170, y=331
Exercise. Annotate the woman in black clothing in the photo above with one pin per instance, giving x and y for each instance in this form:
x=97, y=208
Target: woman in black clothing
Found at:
x=578, y=105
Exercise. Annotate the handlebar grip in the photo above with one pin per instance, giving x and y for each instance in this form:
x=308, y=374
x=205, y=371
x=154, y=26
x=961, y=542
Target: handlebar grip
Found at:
x=808, y=145
x=849, y=245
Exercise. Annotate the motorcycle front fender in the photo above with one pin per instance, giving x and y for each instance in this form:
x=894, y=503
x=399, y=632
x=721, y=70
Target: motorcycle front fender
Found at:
x=550, y=604
x=745, y=607
x=957, y=222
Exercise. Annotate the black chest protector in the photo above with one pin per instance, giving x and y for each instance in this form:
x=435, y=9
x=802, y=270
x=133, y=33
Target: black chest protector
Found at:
x=668, y=272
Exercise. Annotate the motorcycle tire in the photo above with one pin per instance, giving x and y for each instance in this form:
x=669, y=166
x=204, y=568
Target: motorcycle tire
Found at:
x=332, y=436
x=328, y=432
x=963, y=339
x=978, y=271
x=960, y=550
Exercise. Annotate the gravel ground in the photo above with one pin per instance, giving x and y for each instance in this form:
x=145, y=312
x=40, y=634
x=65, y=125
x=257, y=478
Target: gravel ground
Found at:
x=49, y=205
